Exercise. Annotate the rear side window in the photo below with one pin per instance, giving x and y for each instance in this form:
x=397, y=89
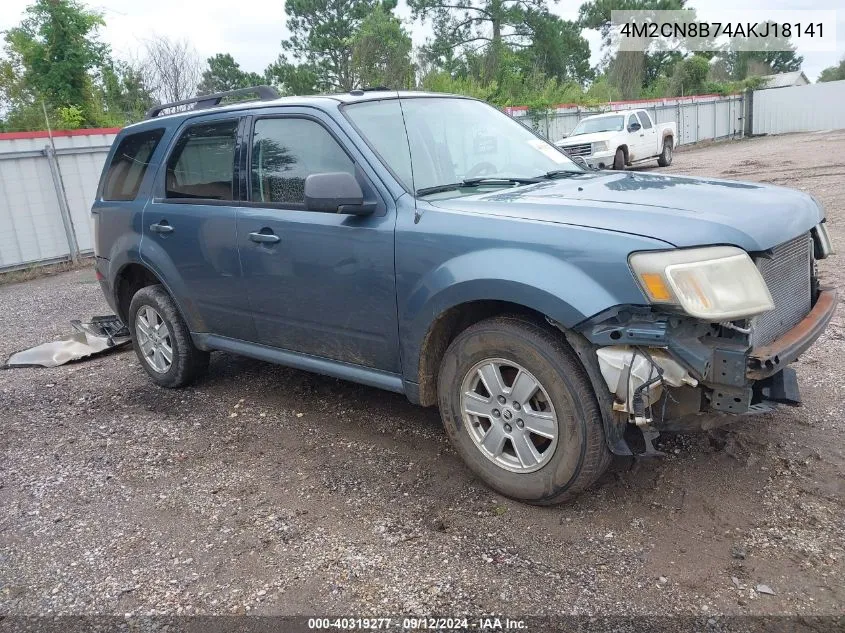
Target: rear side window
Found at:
x=129, y=164
x=202, y=164
x=285, y=152
x=644, y=120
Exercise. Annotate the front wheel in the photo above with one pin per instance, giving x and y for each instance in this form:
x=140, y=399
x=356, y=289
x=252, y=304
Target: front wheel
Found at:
x=520, y=410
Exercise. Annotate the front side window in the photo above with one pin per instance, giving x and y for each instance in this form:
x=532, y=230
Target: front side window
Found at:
x=382, y=125
x=453, y=140
x=285, y=152
x=631, y=120
x=646, y=122
x=129, y=164
x=203, y=161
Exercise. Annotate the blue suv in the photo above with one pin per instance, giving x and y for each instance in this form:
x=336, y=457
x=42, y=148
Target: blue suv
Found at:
x=430, y=245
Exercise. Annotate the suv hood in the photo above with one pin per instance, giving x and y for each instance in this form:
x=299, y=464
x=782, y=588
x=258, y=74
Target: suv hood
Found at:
x=682, y=211
x=585, y=138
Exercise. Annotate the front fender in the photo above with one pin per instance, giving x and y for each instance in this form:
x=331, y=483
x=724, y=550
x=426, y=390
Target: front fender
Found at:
x=558, y=289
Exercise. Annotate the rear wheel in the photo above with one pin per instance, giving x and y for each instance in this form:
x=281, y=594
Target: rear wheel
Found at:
x=665, y=158
x=162, y=341
x=520, y=410
x=619, y=159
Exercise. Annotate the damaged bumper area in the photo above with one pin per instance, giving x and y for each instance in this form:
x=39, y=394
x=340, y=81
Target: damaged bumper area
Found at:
x=88, y=339
x=673, y=373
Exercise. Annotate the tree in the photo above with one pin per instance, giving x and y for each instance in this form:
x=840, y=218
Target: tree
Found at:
x=381, y=52
x=628, y=71
x=49, y=57
x=778, y=57
x=557, y=48
x=123, y=93
x=690, y=76
x=322, y=34
x=224, y=73
x=290, y=79
x=463, y=28
x=171, y=68
x=834, y=73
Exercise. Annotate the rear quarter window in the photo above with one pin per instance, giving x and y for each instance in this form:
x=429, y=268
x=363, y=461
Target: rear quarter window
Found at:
x=129, y=164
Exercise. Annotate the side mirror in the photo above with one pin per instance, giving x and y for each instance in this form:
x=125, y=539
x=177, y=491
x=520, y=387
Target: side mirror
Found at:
x=335, y=192
x=633, y=127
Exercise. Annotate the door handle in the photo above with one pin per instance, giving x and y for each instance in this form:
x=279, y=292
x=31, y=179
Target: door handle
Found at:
x=264, y=238
x=161, y=227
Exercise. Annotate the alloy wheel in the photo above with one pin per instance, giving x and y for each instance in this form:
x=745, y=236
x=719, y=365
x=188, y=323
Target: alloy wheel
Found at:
x=154, y=339
x=509, y=415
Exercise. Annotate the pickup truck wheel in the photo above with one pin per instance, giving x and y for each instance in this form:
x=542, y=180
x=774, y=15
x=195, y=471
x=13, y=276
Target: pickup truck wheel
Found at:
x=519, y=408
x=665, y=158
x=619, y=159
x=161, y=339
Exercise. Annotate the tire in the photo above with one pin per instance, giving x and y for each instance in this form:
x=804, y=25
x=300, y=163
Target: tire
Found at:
x=665, y=158
x=566, y=465
x=619, y=160
x=152, y=306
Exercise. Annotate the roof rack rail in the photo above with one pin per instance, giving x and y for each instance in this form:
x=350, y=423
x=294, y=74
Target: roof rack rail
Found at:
x=265, y=93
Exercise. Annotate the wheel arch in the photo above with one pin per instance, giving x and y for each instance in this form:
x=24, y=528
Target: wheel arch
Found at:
x=456, y=295
x=129, y=279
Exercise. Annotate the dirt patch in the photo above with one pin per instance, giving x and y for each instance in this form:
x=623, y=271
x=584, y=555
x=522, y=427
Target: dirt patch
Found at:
x=267, y=490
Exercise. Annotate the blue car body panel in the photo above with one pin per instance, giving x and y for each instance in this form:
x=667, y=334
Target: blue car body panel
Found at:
x=360, y=293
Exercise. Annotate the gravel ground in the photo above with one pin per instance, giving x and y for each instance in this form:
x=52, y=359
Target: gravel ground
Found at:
x=267, y=490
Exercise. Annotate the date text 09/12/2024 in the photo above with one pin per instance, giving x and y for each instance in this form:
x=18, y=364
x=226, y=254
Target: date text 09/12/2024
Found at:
x=418, y=624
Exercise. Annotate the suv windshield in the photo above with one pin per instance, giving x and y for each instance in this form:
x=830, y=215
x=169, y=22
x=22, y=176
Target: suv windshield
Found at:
x=453, y=140
x=604, y=124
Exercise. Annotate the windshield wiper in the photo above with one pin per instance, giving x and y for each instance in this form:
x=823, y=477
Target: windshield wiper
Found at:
x=561, y=173
x=475, y=182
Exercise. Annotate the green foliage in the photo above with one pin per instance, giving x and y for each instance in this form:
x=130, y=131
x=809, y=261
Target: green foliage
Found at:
x=121, y=95
x=224, y=73
x=49, y=56
x=381, y=52
x=322, y=35
x=557, y=49
x=475, y=29
x=834, y=73
x=744, y=63
x=290, y=79
x=70, y=117
x=690, y=76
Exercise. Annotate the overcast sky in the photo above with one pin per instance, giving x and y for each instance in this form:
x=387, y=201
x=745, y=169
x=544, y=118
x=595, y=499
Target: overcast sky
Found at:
x=252, y=30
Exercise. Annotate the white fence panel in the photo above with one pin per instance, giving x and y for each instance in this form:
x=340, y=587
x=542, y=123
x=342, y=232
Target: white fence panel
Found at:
x=799, y=109
x=30, y=221
x=31, y=227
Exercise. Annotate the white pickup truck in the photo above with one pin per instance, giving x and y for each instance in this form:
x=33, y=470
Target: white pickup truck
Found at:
x=616, y=139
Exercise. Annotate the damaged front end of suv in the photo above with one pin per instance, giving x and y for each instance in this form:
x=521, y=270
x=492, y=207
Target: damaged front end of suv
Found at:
x=716, y=341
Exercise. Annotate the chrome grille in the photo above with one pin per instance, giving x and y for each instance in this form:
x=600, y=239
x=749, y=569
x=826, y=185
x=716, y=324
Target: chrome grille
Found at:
x=787, y=274
x=582, y=149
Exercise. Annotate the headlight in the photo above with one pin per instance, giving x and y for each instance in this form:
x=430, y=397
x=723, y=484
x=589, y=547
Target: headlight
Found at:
x=599, y=146
x=717, y=283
